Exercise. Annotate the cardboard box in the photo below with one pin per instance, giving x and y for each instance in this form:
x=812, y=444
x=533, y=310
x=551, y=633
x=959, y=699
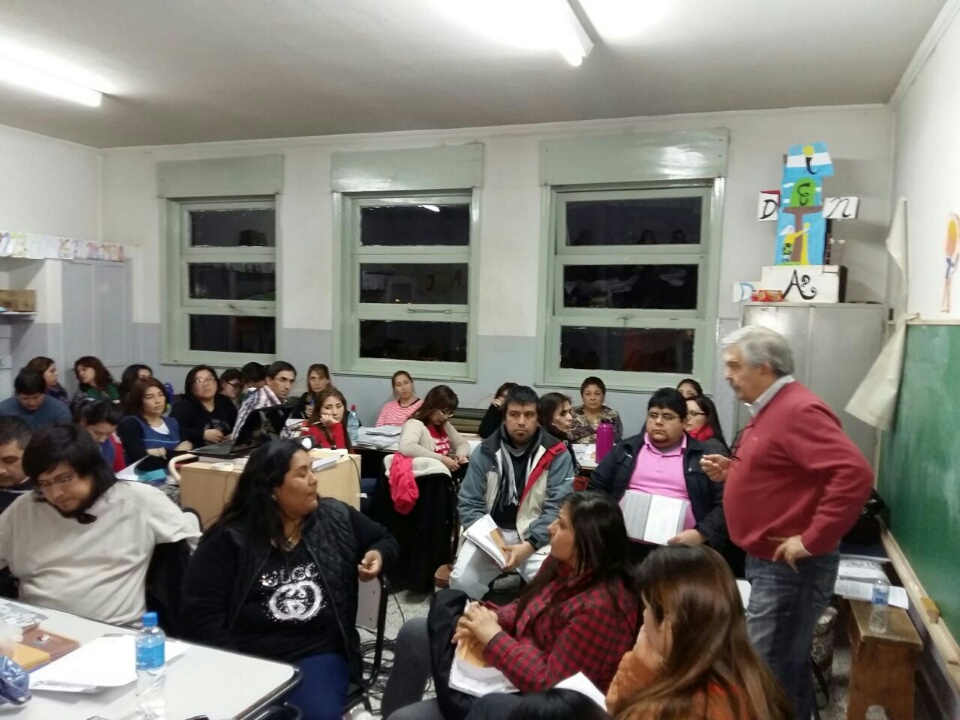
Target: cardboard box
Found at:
x=19, y=300
x=208, y=487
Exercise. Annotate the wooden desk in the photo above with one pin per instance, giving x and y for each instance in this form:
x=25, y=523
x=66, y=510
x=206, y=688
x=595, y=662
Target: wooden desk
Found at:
x=208, y=487
x=882, y=665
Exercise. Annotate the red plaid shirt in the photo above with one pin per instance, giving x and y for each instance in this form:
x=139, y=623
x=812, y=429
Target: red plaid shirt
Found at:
x=587, y=633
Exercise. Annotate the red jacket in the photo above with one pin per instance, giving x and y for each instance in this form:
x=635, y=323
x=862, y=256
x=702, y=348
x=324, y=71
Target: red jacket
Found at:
x=589, y=632
x=794, y=472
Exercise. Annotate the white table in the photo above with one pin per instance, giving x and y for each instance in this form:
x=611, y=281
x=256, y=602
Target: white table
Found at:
x=203, y=681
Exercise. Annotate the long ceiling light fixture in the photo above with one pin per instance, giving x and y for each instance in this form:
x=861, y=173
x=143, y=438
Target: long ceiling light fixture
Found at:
x=47, y=83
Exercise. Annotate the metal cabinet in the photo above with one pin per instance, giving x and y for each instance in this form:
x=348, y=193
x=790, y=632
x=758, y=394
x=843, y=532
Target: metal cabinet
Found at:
x=834, y=345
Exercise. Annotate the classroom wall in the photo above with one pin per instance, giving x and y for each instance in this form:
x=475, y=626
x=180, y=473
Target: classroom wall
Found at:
x=927, y=157
x=860, y=140
x=46, y=186
x=927, y=151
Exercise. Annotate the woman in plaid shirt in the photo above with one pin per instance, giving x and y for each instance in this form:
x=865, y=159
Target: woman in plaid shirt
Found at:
x=581, y=613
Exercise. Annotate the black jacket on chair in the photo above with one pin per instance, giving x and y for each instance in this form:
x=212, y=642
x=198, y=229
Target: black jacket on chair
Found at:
x=612, y=477
x=227, y=562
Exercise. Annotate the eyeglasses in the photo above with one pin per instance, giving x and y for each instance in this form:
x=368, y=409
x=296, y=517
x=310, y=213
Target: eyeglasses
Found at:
x=64, y=479
x=204, y=381
x=666, y=417
x=447, y=413
x=691, y=413
x=235, y=384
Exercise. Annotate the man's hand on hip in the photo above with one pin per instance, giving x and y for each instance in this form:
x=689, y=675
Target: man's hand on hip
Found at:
x=789, y=550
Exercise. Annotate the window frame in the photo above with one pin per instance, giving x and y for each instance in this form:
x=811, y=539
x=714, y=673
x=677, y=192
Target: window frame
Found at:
x=180, y=255
x=350, y=311
x=556, y=255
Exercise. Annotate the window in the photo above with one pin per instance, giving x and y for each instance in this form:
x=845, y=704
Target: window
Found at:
x=631, y=287
x=222, y=278
x=407, y=284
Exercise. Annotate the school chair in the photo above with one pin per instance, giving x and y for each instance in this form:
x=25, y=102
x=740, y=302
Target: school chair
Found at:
x=372, y=620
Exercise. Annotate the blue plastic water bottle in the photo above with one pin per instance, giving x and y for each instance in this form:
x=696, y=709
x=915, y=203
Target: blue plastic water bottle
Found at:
x=151, y=670
x=353, y=425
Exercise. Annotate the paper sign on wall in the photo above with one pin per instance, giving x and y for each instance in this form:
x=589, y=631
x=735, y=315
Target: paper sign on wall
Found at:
x=803, y=283
x=801, y=228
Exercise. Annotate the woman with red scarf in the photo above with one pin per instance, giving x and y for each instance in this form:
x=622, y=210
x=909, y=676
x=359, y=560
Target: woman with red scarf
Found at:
x=703, y=424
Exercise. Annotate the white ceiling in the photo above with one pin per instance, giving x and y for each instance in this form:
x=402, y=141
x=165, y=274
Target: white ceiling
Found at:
x=190, y=71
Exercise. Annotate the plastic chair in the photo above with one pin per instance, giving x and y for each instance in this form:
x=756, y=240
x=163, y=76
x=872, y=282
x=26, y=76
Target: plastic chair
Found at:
x=371, y=617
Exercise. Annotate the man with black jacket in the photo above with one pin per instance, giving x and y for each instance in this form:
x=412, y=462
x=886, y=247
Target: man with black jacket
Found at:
x=664, y=460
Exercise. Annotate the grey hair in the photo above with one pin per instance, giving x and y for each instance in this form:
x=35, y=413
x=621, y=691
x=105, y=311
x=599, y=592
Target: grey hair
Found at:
x=761, y=346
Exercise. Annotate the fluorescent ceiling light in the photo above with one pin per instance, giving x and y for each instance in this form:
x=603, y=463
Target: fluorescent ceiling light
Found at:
x=617, y=19
x=528, y=24
x=431, y=208
x=44, y=82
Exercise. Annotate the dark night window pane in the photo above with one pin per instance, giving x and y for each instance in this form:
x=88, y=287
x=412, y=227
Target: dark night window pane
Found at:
x=232, y=333
x=667, y=287
x=414, y=340
x=245, y=227
x=233, y=281
x=406, y=225
x=652, y=221
x=425, y=284
x=656, y=350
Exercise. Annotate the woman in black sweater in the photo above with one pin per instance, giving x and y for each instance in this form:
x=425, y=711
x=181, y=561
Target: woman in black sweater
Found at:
x=205, y=416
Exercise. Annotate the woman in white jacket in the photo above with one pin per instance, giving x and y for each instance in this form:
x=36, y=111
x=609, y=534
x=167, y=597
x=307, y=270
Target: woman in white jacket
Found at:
x=429, y=433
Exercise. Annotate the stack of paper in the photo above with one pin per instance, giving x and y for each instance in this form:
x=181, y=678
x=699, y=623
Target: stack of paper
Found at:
x=653, y=518
x=471, y=674
x=852, y=569
x=392, y=431
x=24, y=619
x=863, y=590
x=485, y=534
x=108, y=661
x=581, y=683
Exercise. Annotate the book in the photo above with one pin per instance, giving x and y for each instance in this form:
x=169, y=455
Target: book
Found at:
x=53, y=645
x=485, y=534
x=28, y=657
x=653, y=518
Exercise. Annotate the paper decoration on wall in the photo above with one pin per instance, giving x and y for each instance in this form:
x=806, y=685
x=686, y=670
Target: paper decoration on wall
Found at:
x=769, y=205
x=814, y=283
x=34, y=246
x=743, y=290
x=951, y=248
x=801, y=228
x=840, y=208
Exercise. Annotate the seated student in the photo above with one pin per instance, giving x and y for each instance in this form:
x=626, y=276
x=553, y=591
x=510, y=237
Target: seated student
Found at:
x=83, y=541
x=693, y=658
x=704, y=425
x=48, y=368
x=231, y=385
x=493, y=418
x=579, y=614
x=280, y=377
x=327, y=426
x=588, y=416
x=420, y=506
x=689, y=388
x=205, y=416
x=555, y=415
x=318, y=380
x=519, y=476
x=664, y=460
x=14, y=436
x=100, y=418
x=95, y=380
x=254, y=378
x=145, y=433
x=276, y=577
x=31, y=403
x=129, y=376
x=405, y=401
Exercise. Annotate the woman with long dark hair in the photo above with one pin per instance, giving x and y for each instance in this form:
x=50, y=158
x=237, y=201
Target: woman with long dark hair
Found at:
x=405, y=401
x=318, y=380
x=205, y=416
x=579, y=614
x=130, y=375
x=555, y=414
x=48, y=367
x=429, y=434
x=704, y=425
x=148, y=436
x=94, y=379
x=276, y=576
x=693, y=658
x=327, y=425
x=493, y=418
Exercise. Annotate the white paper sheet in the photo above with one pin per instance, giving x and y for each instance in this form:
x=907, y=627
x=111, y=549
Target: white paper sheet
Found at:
x=665, y=519
x=744, y=587
x=860, y=590
x=479, y=535
x=130, y=471
x=581, y=683
x=852, y=569
x=108, y=661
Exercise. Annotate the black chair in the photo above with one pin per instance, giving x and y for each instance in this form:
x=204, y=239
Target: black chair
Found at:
x=372, y=620
x=164, y=584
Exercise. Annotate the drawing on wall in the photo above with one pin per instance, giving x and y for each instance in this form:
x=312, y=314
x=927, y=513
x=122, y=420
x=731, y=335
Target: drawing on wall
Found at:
x=801, y=227
x=951, y=249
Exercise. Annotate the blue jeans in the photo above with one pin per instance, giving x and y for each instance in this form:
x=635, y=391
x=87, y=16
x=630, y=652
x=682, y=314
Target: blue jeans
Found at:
x=785, y=605
x=322, y=693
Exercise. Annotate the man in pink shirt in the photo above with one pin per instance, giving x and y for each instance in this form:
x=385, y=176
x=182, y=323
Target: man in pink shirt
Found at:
x=664, y=460
x=795, y=484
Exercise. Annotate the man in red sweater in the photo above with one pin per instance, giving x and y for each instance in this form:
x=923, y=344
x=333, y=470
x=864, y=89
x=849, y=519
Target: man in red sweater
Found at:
x=795, y=484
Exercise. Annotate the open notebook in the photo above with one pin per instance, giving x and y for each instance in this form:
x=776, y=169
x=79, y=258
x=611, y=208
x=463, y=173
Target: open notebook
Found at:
x=653, y=518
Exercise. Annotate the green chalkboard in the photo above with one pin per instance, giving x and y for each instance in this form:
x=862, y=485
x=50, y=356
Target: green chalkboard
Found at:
x=920, y=465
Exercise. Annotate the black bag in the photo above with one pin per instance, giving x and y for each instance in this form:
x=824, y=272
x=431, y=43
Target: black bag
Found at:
x=446, y=608
x=866, y=530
